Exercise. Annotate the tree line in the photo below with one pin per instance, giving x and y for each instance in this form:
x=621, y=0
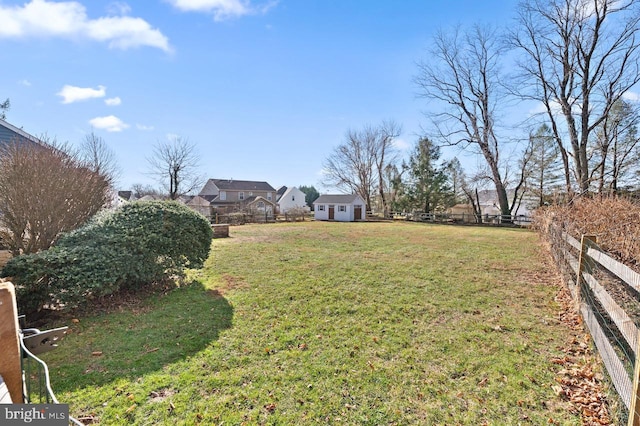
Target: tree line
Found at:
x=574, y=62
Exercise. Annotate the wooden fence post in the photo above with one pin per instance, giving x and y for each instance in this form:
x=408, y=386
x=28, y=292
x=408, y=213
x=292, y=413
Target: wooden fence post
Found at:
x=10, y=357
x=583, y=260
x=634, y=416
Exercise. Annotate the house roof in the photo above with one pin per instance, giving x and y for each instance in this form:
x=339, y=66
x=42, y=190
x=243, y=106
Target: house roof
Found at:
x=337, y=199
x=241, y=185
x=9, y=132
x=198, y=201
x=127, y=195
x=253, y=199
x=281, y=190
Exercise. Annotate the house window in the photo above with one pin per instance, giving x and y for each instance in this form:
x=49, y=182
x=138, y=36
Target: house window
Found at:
x=223, y=195
x=320, y=207
x=250, y=194
x=241, y=196
x=269, y=196
x=342, y=208
x=293, y=198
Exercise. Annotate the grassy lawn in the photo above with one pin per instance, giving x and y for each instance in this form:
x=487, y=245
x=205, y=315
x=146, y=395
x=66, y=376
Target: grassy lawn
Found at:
x=331, y=323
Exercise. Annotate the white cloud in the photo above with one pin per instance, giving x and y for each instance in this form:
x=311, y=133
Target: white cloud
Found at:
x=110, y=123
x=144, y=127
x=113, y=101
x=401, y=144
x=222, y=9
x=118, y=8
x=74, y=94
x=68, y=19
x=25, y=82
x=631, y=96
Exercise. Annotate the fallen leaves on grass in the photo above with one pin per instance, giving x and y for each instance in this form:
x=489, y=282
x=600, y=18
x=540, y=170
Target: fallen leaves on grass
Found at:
x=577, y=381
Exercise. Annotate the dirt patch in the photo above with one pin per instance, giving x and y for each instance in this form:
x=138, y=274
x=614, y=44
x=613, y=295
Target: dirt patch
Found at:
x=229, y=283
x=161, y=395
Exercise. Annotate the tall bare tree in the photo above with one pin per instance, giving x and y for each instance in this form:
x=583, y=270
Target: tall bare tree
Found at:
x=463, y=73
x=175, y=165
x=579, y=58
x=45, y=190
x=358, y=165
x=99, y=157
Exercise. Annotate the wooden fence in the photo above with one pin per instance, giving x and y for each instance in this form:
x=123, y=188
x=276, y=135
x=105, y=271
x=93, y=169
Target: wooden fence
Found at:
x=607, y=293
x=521, y=220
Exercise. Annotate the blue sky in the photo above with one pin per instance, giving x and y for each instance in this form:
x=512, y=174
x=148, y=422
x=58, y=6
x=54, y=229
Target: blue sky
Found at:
x=265, y=90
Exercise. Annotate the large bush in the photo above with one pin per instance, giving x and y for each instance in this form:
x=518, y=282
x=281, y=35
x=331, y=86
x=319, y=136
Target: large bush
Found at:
x=614, y=221
x=140, y=243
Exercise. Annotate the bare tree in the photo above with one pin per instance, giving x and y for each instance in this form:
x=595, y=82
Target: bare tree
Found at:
x=99, y=157
x=140, y=190
x=175, y=165
x=358, y=165
x=45, y=190
x=463, y=74
x=579, y=58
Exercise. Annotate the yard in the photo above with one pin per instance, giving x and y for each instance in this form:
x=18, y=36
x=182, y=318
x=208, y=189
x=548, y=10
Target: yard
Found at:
x=331, y=323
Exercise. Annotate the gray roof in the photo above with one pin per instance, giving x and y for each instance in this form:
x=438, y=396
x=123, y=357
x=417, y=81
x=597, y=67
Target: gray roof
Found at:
x=10, y=133
x=336, y=199
x=241, y=185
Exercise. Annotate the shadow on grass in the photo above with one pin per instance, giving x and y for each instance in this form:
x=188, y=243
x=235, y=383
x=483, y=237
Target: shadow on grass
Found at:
x=135, y=341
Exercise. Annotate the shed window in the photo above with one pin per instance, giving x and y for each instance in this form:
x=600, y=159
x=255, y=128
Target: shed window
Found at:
x=342, y=208
x=320, y=207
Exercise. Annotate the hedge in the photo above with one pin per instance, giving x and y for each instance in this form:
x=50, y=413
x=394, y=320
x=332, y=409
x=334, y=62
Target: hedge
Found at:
x=140, y=243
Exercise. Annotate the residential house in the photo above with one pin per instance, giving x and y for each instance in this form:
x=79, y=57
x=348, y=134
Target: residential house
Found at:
x=291, y=198
x=229, y=195
x=10, y=133
x=490, y=206
x=200, y=205
x=340, y=207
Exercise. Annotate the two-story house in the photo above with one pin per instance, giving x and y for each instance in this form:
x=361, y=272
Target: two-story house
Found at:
x=229, y=195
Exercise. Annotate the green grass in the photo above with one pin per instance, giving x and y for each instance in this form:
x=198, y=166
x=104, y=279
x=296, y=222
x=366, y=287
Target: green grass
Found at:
x=331, y=323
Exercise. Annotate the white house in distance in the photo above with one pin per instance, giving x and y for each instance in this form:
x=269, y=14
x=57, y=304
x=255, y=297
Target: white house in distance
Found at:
x=291, y=198
x=340, y=207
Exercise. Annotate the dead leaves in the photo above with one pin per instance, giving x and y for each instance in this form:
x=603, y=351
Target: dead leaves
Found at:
x=576, y=380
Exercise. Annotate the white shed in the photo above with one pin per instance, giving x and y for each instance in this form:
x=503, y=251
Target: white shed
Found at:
x=292, y=198
x=340, y=207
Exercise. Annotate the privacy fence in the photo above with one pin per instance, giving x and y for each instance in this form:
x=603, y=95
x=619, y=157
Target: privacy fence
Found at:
x=607, y=293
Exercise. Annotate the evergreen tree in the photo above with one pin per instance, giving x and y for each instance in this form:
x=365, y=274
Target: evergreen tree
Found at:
x=543, y=168
x=4, y=107
x=429, y=187
x=310, y=194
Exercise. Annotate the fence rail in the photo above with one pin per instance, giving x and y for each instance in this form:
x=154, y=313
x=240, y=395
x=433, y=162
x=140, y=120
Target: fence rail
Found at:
x=464, y=218
x=607, y=293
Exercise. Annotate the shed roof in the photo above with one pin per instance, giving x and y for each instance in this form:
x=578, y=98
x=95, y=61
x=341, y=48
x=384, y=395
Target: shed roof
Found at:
x=337, y=198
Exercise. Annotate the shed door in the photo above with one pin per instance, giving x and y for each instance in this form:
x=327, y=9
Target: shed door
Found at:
x=357, y=212
x=331, y=212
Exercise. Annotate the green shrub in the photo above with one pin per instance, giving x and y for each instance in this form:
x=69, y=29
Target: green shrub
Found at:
x=138, y=244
